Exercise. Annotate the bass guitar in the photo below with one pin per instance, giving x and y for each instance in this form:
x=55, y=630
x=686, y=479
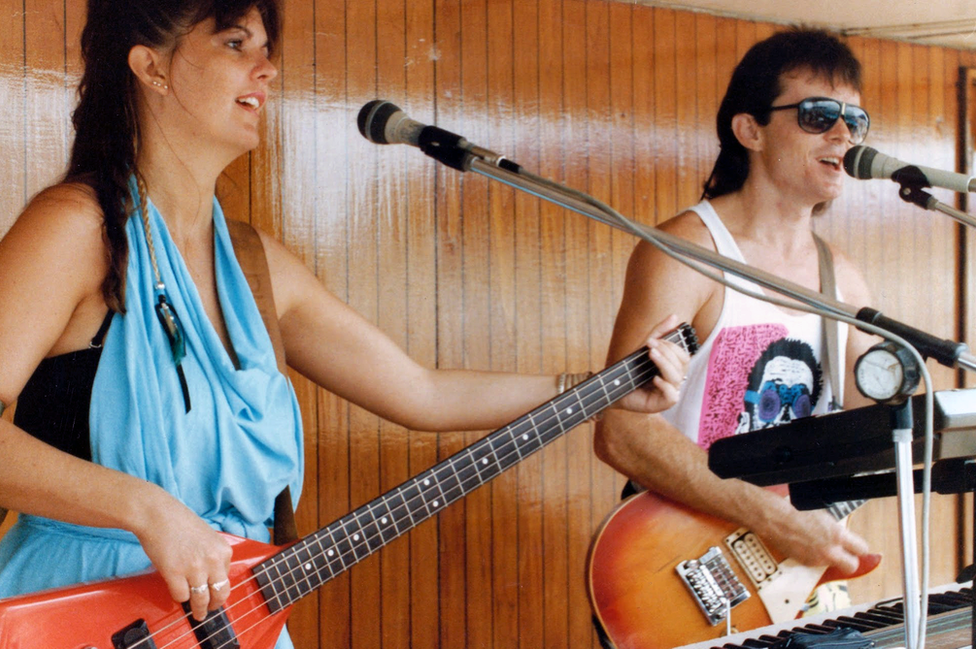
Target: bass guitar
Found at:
x=659, y=575
x=137, y=612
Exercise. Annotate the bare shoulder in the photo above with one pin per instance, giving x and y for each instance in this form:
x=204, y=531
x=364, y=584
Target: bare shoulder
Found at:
x=657, y=286
x=61, y=226
x=647, y=259
x=688, y=225
x=67, y=214
x=52, y=265
x=850, y=281
x=291, y=280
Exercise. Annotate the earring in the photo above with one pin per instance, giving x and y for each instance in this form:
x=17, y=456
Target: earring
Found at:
x=160, y=85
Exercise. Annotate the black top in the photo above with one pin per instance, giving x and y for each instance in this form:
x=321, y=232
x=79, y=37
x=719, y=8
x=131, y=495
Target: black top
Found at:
x=54, y=404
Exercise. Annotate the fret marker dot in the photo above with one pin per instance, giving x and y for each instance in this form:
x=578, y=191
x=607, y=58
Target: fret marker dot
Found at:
x=355, y=537
x=569, y=411
x=308, y=566
x=484, y=461
x=331, y=553
x=525, y=437
x=383, y=520
x=436, y=504
x=426, y=483
x=616, y=382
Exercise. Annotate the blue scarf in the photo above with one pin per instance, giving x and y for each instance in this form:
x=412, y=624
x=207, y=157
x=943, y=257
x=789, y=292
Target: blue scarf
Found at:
x=241, y=442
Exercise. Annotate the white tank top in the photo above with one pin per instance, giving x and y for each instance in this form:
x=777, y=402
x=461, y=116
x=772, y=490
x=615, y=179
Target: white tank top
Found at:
x=759, y=367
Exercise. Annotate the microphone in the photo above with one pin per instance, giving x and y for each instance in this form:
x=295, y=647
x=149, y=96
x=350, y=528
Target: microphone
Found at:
x=383, y=122
x=863, y=162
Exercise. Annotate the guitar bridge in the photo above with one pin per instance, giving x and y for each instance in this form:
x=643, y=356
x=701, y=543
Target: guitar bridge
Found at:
x=712, y=583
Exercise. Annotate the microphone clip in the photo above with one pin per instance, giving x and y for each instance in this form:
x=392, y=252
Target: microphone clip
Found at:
x=913, y=181
x=445, y=147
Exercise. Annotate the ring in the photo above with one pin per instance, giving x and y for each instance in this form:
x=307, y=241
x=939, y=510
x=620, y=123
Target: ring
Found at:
x=196, y=590
x=219, y=585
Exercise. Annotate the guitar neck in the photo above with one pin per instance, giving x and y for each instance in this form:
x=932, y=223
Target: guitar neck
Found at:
x=841, y=510
x=301, y=568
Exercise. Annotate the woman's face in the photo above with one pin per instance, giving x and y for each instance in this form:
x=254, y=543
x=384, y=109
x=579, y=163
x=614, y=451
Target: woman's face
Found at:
x=219, y=81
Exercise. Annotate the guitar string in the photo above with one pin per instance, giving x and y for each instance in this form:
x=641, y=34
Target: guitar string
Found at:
x=676, y=337
x=246, y=630
x=647, y=364
x=470, y=483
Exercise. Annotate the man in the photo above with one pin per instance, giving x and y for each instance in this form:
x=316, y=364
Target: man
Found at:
x=789, y=115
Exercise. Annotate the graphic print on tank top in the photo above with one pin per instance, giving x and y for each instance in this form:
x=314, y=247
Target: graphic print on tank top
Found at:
x=757, y=378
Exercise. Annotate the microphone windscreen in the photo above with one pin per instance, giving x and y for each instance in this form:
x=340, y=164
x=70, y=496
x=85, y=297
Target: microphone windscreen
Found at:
x=373, y=118
x=858, y=160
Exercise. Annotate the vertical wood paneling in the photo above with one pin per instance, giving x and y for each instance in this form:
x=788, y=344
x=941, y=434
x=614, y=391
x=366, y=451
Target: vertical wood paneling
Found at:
x=453, y=556
x=612, y=98
x=13, y=129
x=363, y=217
x=665, y=113
x=421, y=283
x=500, y=54
x=477, y=289
x=47, y=98
x=528, y=309
x=552, y=247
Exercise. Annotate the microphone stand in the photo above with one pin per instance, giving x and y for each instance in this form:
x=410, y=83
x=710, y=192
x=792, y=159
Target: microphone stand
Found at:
x=912, y=181
x=456, y=152
x=945, y=352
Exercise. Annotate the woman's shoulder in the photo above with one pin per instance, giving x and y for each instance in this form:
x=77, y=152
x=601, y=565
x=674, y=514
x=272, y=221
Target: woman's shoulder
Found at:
x=61, y=225
x=65, y=211
x=68, y=199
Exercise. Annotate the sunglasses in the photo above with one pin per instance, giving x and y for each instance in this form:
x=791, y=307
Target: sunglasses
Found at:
x=773, y=397
x=819, y=114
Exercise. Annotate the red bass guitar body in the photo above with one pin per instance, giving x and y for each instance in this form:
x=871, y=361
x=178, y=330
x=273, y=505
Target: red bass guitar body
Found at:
x=87, y=616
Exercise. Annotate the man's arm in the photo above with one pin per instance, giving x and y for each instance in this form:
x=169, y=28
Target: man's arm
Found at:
x=647, y=449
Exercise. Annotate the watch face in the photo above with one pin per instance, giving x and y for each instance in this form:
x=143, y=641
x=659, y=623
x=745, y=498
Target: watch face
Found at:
x=879, y=374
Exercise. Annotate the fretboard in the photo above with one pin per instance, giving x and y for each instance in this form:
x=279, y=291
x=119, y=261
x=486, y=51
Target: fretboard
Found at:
x=301, y=568
x=841, y=510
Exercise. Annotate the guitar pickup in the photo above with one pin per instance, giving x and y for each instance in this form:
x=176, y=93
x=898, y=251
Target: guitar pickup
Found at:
x=753, y=556
x=215, y=631
x=135, y=635
x=713, y=585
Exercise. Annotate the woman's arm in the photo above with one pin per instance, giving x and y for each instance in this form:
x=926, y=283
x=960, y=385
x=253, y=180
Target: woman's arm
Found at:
x=52, y=263
x=336, y=348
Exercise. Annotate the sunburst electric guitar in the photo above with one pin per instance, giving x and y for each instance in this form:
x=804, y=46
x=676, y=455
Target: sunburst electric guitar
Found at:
x=138, y=613
x=661, y=575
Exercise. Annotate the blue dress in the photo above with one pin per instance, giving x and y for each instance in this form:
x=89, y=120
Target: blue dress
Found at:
x=227, y=458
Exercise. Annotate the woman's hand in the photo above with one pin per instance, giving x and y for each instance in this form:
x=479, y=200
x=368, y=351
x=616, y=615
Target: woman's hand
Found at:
x=672, y=362
x=192, y=558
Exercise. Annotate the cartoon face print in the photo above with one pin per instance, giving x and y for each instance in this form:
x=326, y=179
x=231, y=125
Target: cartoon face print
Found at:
x=785, y=384
x=784, y=394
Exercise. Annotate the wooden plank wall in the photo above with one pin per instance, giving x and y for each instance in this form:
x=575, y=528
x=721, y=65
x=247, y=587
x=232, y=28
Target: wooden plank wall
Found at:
x=611, y=98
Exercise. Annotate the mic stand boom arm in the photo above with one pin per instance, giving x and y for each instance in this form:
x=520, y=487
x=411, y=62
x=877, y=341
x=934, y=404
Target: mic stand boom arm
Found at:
x=946, y=352
x=912, y=182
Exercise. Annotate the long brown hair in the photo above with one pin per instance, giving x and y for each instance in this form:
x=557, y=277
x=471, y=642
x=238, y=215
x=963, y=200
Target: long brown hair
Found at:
x=106, y=124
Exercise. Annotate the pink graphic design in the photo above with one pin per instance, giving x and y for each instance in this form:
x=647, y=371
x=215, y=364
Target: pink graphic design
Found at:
x=735, y=351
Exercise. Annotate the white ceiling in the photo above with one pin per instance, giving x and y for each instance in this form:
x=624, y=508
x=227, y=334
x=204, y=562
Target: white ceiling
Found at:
x=950, y=23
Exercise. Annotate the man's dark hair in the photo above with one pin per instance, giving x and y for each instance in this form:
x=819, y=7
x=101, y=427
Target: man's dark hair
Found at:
x=755, y=84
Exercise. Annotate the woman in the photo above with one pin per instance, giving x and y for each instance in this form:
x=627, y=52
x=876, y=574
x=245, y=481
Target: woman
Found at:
x=146, y=348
